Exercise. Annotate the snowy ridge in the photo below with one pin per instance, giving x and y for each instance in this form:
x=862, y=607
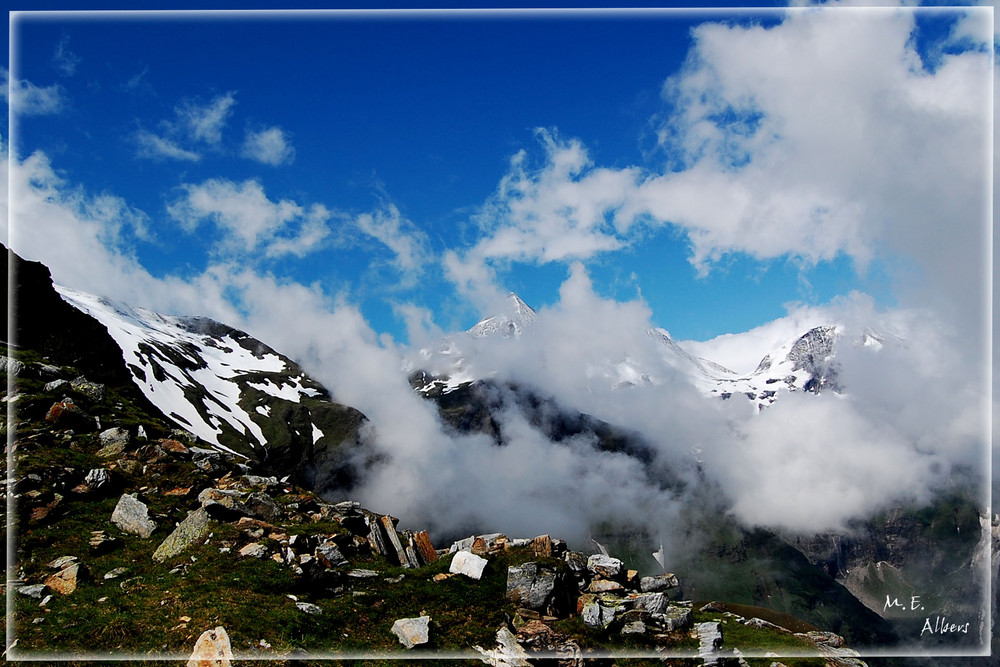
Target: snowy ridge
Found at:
x=802, y=364
x=197, y=371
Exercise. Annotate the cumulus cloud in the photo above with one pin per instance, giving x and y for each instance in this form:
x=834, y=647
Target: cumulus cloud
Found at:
x=774, y=148
x=561, y=211
x=28, y=99
x=268, y=146
x=813, y=155
x=248, y=218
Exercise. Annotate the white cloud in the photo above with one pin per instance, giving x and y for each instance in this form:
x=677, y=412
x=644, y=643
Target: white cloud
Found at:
x=817, y=137
x=407, y=243
x=64, y=59
x=205, y=122
x=193, y=126
x=248, y=219
x=155, y=147
x=30, y=100
x=268, y=146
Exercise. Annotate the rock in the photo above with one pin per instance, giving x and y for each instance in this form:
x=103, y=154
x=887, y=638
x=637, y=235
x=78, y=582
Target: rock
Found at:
x=56, y=386
x=654, y=603
x=223, y=505
x=674, y=618
x=362, y=574
x=132, y=516
x=329, y=555
x=660, y=582
x=253, y=550
x=115, y=573
x=596, y=615
x=605, y=586
x=603, y=566
x=534, y=586
x=541, y=546
x=635, y=627
x=462, y=545
x=190, y=531
x=413, y=631
x=507, y=652
x=66, y=580
x=34, y=591
x=309, y=608
x=115, y=437
x=388, y=525
x=62, y=562
x=97, y=478
x=422, y=542
x=467, y=563
x=212, y=649
x=262, y=506
x=92, y=390
x=710, y=640
x=483, y=544
x=65, y=415
x=173, y=446
x=101, y=542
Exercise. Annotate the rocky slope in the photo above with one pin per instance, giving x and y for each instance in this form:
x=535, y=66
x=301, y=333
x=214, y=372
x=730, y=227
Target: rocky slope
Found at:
x=137, y=539
x=116, y=392
x=233, y=392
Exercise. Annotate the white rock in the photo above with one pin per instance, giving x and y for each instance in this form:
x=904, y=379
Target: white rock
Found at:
x=132, y=516
x=412, y=631
x=253, y=550
x=212, y=649
x=308, y=608
x=468, y=563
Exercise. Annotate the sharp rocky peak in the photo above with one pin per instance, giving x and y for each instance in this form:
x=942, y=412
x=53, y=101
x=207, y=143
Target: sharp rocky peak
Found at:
x=514, y=317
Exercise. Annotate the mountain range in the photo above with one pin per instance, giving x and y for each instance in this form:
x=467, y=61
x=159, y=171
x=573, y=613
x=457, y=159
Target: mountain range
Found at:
x=239, y=396
x=804, y=363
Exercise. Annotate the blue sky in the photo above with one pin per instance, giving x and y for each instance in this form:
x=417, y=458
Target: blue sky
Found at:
x=367, y=157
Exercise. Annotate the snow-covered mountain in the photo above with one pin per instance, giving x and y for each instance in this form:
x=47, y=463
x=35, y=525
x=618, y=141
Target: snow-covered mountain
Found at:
x=229, y=389
x=510, y=322
x=805, y=363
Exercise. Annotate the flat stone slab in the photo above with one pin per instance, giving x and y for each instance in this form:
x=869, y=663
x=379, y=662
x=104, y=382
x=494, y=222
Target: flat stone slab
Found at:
x=412, y=631
x=468, y=563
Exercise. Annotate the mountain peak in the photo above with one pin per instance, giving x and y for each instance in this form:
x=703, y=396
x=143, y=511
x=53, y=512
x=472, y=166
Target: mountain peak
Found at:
x=514, y=316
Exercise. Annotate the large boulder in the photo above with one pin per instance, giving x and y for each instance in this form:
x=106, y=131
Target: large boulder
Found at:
x=190, y=531
x=540, y=588
x=132, y=516
x=597, y=615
